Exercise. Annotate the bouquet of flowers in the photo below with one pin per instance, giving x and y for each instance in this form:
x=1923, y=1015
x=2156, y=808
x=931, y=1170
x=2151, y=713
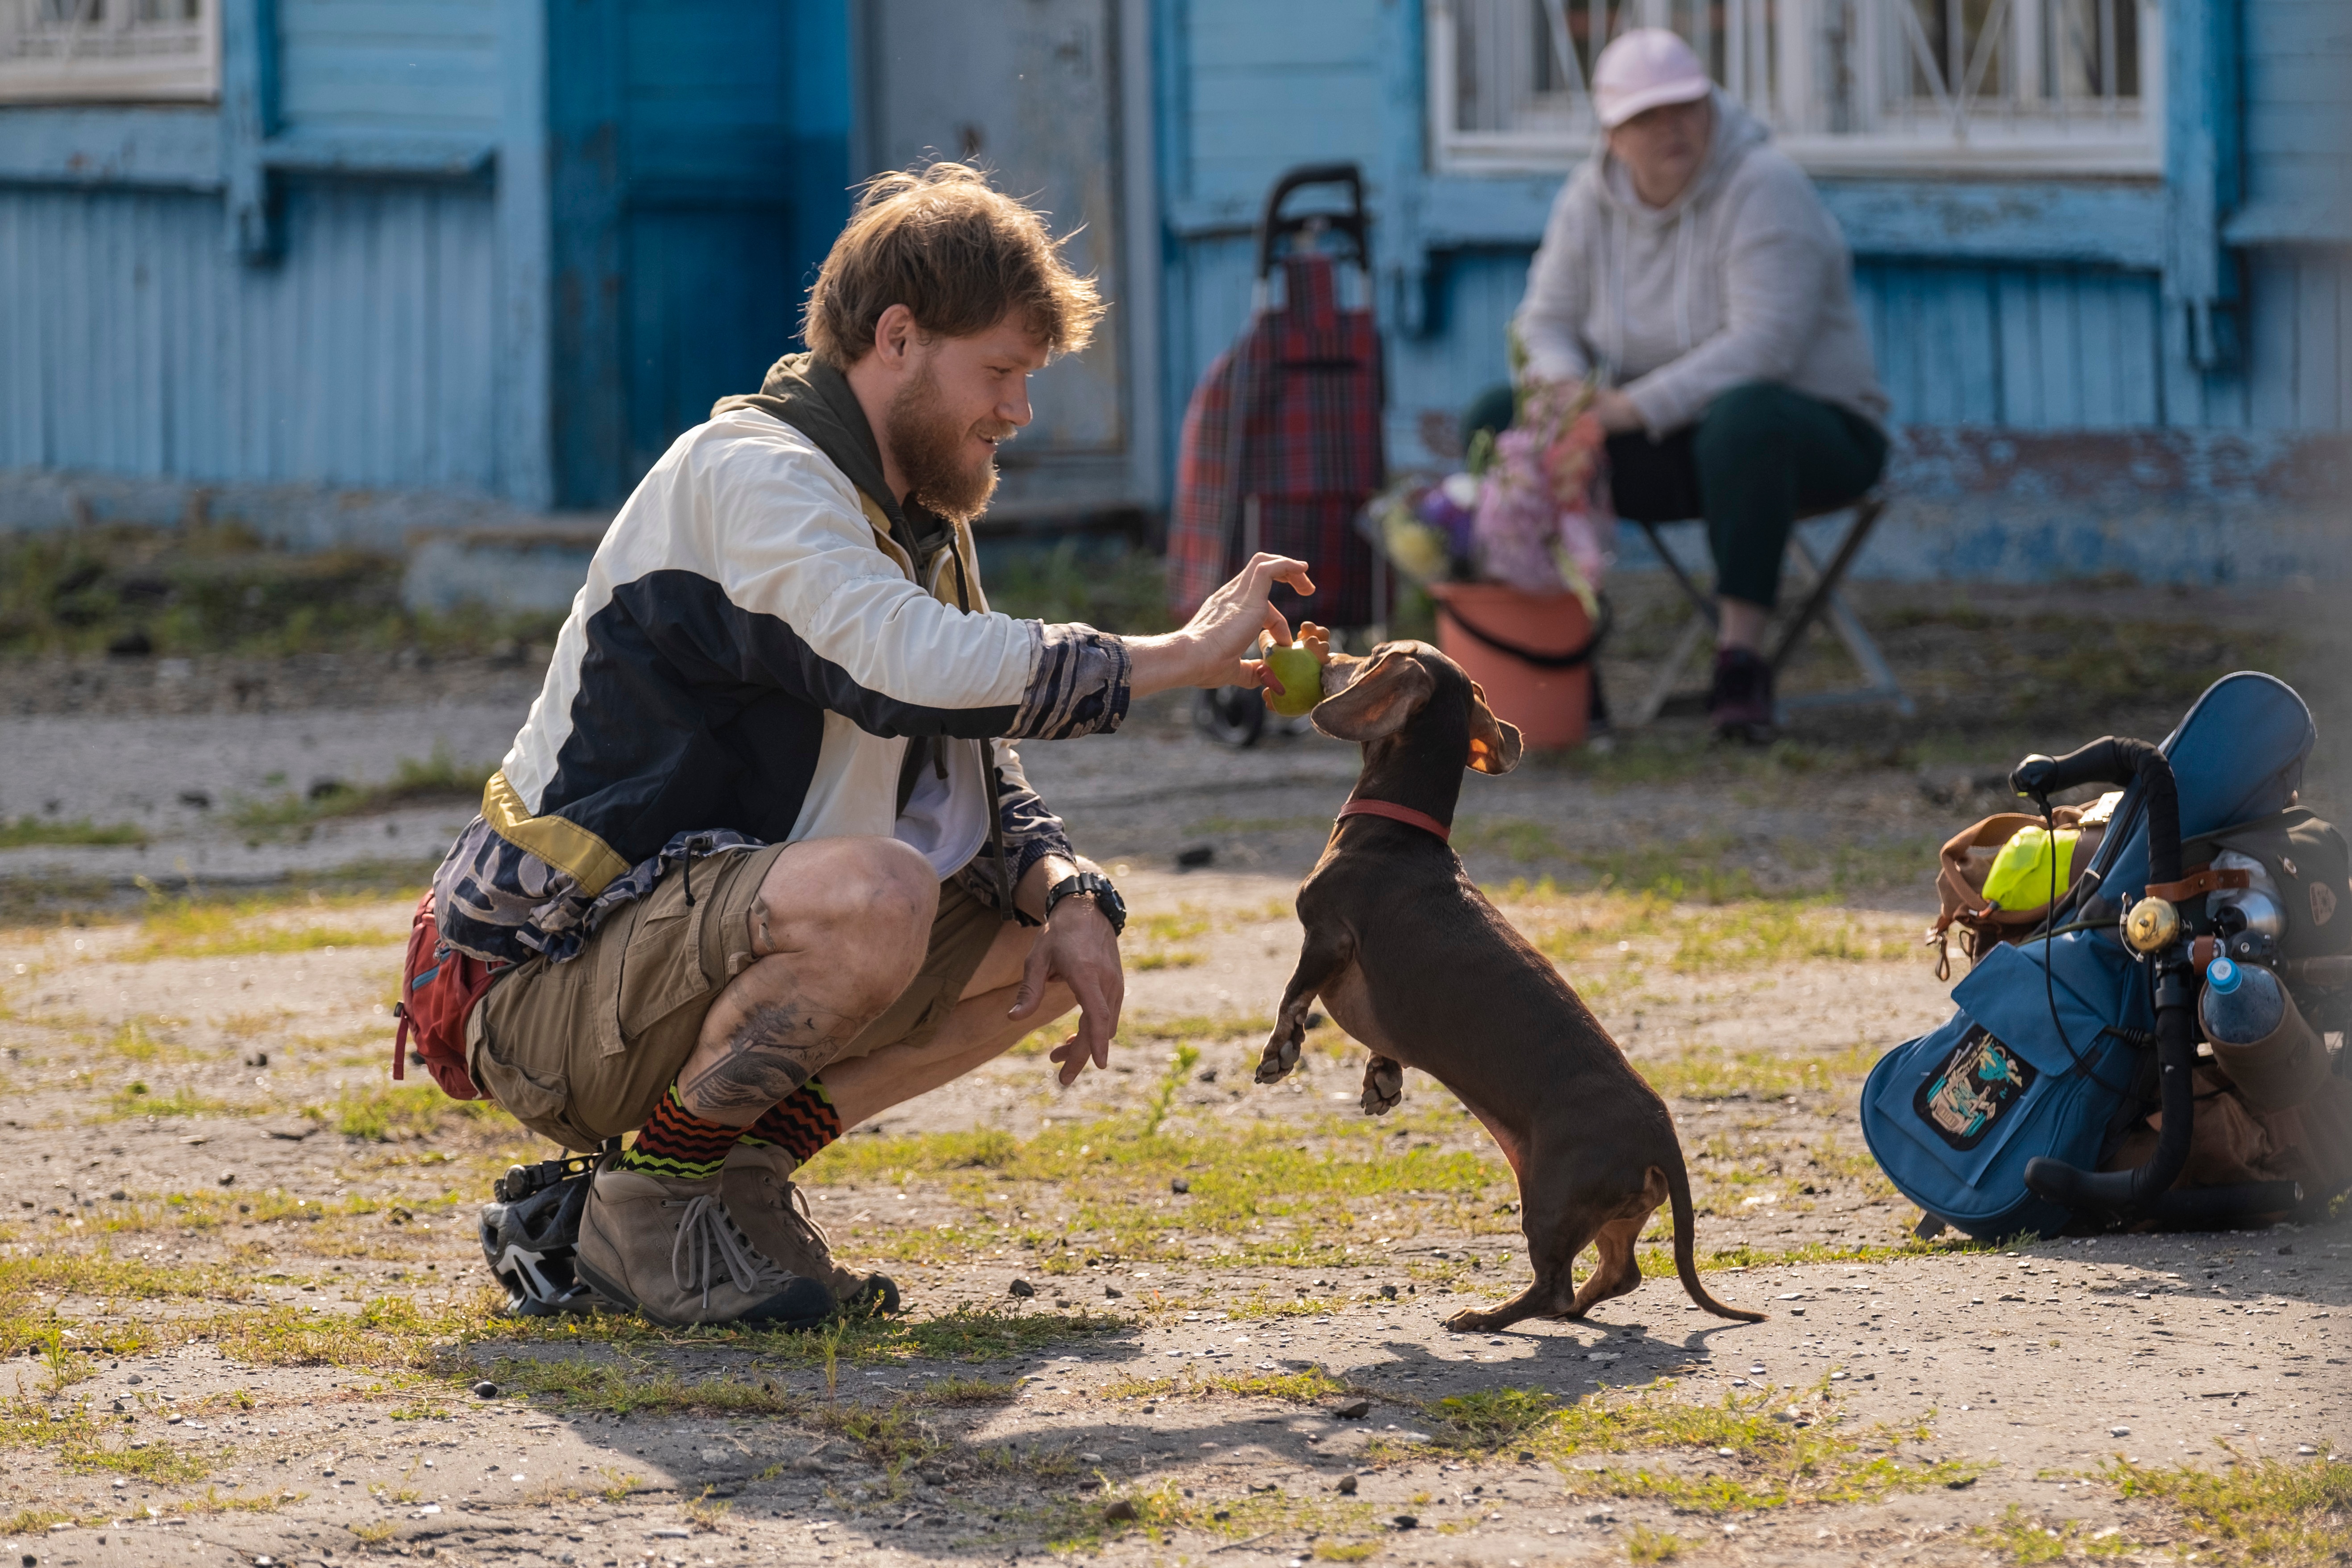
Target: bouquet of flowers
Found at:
x=1531, y=509
x=1543, y=517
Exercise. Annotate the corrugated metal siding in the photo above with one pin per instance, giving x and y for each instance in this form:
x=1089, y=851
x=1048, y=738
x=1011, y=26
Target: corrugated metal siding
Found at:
x=138, y=344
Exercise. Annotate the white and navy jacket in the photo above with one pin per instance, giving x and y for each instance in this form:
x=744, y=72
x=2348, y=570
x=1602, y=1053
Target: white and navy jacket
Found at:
x=754, y=646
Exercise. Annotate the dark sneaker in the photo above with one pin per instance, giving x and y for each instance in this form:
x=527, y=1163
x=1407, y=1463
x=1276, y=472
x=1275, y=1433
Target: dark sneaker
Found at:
x=757, y=1184
x=666, y=1246
x=1739, y=704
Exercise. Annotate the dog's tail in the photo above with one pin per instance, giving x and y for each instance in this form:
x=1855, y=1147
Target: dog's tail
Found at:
x=1686, y=1264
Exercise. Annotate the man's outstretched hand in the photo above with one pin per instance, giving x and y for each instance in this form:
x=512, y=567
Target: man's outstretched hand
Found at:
x=1077, y=948
x=1209, y=650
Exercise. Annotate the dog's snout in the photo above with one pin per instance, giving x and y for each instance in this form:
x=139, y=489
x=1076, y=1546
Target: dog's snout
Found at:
x=1340, y=672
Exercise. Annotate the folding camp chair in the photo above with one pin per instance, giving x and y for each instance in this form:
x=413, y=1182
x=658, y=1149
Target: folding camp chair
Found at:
x=1822, y=601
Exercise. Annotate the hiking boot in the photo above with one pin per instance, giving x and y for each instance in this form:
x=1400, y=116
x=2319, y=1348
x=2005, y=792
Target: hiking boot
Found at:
x=665, y=1247
x=757, y=1184
x=1739, y=703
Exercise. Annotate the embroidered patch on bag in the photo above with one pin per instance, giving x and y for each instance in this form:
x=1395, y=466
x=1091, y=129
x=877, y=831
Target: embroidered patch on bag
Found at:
x=1977, y=1084
x=2323, y=903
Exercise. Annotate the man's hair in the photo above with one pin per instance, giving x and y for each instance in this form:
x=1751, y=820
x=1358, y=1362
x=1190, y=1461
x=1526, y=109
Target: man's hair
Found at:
x=958, y=254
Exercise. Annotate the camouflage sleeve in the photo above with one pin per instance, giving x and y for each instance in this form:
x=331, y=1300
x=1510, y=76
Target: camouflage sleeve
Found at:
x=1080, y=686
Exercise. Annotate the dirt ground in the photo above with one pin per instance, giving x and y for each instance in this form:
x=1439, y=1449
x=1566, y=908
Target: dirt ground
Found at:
x=247, y=1318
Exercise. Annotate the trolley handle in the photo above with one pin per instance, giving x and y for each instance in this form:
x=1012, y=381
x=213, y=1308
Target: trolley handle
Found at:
x=1272, y=225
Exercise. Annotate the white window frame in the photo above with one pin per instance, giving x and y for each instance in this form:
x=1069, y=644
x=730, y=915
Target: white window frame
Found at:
x=106, y=51
x=1997, y=119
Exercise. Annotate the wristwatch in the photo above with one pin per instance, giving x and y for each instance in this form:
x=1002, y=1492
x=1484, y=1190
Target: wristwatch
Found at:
x=1106, y=894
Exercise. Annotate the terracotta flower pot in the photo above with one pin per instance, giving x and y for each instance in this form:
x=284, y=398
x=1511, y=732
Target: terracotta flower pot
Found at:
x=1531, y=652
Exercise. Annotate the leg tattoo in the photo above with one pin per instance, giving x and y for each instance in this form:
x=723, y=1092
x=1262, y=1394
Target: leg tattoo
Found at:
x=777, y=1047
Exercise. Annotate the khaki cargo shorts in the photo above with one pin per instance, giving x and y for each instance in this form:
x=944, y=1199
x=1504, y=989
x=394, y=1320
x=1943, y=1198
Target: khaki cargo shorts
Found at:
x=584, y=1051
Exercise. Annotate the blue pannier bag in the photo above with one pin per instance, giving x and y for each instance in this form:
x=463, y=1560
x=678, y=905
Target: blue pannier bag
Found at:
x=2044, y=1058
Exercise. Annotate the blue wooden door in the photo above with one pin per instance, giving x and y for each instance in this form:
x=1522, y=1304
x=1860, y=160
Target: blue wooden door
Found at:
x=702, y=169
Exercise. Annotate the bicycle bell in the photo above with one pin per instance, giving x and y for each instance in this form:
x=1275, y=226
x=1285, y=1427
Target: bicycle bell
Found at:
x=2151, y=926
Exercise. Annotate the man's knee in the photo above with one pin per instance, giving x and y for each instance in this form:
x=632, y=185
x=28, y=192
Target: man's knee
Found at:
x=865, y=903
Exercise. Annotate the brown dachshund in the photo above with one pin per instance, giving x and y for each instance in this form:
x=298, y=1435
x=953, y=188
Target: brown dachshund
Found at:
x=1411, y=958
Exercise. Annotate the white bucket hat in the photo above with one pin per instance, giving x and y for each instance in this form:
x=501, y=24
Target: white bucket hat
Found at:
x=1643, y=69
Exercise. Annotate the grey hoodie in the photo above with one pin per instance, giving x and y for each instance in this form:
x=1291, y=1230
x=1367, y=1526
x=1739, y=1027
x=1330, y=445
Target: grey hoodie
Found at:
x=1744, y=277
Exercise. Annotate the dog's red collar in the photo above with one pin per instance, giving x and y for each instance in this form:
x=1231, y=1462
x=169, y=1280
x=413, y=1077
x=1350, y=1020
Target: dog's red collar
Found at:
x=1396, y=812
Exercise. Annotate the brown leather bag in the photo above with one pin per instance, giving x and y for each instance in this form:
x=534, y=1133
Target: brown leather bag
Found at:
x=1965, y=863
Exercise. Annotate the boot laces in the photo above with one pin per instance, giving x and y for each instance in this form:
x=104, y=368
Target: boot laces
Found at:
x=708, y=1245
x=797, y=1209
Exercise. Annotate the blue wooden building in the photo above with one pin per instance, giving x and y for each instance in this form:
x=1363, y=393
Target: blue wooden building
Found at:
x=2102, y=246
x=507, y=248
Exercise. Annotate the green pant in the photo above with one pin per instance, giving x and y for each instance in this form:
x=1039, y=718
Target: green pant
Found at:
x=1761, y=456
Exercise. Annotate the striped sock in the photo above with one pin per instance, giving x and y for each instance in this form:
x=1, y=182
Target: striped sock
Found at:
x=801, y=1123
x=676, y=1143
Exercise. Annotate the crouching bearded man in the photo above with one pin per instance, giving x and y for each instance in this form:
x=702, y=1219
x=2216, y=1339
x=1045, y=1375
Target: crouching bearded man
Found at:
x=761, y=858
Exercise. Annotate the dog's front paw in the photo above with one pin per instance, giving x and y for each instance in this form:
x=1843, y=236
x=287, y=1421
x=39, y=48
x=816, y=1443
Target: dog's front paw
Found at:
x=1470, y=1322
x=1281, y=1051
x=1383, y=1086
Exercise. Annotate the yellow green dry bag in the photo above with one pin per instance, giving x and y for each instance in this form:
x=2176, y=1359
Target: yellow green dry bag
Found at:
x=2020, y=877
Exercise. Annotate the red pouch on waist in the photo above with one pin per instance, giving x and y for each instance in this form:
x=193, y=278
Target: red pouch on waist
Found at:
x=439, y=987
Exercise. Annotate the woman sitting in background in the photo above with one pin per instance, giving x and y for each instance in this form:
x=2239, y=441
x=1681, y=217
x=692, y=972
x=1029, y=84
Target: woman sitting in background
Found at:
x=1695, y=269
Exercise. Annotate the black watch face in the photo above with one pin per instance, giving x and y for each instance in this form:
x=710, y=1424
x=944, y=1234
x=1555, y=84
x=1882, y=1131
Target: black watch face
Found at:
x=1113, y=906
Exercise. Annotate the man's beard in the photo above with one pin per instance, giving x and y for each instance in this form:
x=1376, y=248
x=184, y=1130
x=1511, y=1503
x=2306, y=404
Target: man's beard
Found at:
x=927, y=443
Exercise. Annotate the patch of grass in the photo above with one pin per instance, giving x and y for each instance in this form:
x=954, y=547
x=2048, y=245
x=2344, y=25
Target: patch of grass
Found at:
x=1658, y=1263
x=378, y=1532
x=387, y=1333
x=1493, y=1417
x=213, y=1504
x=2264, y=1510
x=1269, y=1193
x=963, y=1335
x=81, y=1443
x=440, y=777
x=1180, y=1068
x=1784, y=1448
x=1308, y=1387
x=1513, y=837
x=1344, y=1530
x=197, y=928
x=624, y=1384
x=409, y=1110
x=218, y=587
x=1704, y=1073
x=135, y=1099
x=2021, y=1538
x=26, y=831
x=101, y=1275
x=1759, y=934
x=1700, y=937
x=960, y=1390
x=1643, y=1544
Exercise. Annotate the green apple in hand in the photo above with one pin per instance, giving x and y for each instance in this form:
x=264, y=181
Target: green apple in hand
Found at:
x=1300, y=669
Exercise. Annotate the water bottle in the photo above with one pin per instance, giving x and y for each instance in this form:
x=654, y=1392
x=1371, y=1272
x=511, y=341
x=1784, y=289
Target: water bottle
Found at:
x=2241, y=1007
x=2259, y=1037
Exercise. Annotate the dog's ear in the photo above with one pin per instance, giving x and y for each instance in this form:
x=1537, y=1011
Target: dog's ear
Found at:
x=1382, y=696
x=1493, y=746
